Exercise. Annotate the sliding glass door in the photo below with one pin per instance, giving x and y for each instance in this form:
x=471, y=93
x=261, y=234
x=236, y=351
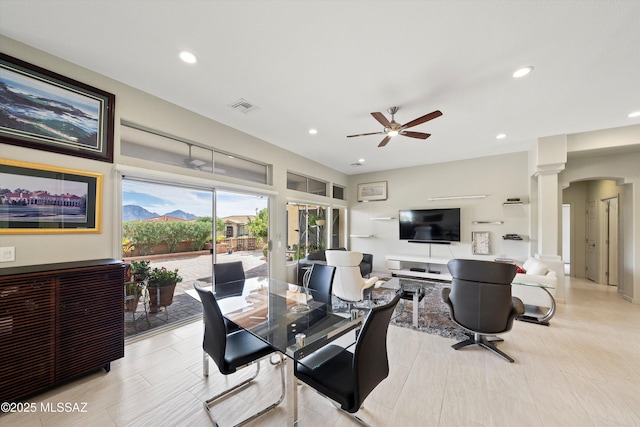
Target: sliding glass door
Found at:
x=242, y=231
x=168, y=228
x=171, y=227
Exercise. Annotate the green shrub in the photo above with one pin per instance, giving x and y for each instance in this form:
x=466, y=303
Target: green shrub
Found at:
x=146, y=235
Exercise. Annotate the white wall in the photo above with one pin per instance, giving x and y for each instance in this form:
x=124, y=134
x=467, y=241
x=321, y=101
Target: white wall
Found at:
x=576, y=196
x=138, y=107
x=499, y=177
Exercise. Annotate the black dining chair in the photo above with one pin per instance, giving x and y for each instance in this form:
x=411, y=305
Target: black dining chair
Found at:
x=348, y=378
x=228, y=280
x=231, y=351
x=321, y=282
x=480, y=301
x=225, y=272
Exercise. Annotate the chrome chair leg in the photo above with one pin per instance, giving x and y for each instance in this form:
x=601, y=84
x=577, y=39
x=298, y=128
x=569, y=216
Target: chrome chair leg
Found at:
x=209, y=403
x=350, y=415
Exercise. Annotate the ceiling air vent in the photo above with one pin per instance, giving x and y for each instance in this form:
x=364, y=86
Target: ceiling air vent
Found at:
x=243, y=105
x=356, y=164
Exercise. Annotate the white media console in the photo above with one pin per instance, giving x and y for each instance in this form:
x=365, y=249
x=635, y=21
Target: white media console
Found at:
x=418, y=266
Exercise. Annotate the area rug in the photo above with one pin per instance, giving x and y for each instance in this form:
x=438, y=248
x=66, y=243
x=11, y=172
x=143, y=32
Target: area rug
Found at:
x=433, y=314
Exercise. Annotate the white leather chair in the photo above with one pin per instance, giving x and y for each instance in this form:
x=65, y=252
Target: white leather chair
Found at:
x=348, y=284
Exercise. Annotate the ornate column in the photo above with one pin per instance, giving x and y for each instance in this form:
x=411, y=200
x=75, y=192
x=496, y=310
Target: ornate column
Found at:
x=549, y=159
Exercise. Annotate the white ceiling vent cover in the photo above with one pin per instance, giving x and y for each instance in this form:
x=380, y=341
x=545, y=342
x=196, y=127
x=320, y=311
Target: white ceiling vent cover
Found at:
x=243, y=106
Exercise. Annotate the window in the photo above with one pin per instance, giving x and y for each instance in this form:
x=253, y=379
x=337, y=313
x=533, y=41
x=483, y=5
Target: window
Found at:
x=232, y=166
x=150, y=145
x=338, y=192
x=306, y=184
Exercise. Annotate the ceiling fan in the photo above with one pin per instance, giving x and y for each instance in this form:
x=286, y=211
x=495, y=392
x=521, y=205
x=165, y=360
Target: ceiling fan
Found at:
x=392, y=128
x=196, y=164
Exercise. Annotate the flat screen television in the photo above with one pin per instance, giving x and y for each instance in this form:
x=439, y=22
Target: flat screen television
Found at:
x=430, y=225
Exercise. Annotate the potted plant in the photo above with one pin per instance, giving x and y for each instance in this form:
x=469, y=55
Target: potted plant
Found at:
x=140, y=270
x=135, y=278
x=161, y=285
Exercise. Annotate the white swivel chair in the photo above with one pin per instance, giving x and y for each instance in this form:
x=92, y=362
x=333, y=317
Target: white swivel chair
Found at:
x=348, y=284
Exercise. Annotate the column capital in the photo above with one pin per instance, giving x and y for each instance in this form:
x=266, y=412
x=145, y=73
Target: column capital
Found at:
x=549, y=169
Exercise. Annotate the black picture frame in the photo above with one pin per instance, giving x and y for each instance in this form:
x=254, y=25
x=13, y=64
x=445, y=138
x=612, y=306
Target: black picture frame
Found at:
x=39, y=199
x=47, y=111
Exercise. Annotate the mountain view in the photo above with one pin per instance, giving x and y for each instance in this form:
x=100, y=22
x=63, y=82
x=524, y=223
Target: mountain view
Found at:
x=135, y=213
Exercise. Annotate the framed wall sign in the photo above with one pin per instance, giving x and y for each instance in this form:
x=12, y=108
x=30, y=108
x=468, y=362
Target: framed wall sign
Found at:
x=372, y=191
x=480, y=243
x=47, y=111
x=38, y=199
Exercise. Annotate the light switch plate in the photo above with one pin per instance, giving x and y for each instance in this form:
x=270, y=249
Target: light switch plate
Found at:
x=7, y=254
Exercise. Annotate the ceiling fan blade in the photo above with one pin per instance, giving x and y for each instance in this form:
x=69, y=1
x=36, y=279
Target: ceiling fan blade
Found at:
x=365, y=134
x=382, y=119
x=422, y=119
x=415, y=134
x=384, y=141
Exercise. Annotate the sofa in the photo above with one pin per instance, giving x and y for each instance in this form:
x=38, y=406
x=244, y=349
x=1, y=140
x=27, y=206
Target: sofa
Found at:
x=535, y=272
x=318, y=257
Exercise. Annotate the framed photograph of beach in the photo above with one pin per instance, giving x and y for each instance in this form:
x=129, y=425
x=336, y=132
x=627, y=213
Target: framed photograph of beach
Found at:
x=39, y=199
x=47, y=111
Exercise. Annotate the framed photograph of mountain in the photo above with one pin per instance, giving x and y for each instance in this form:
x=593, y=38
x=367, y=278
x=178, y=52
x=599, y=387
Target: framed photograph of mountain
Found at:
x=39, y=199
x=47, y=111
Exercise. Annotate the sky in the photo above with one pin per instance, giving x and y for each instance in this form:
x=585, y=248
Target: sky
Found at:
x=162, y=199
x=33, y=183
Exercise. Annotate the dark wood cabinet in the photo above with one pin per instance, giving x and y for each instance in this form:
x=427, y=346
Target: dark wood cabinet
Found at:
x=58, y=321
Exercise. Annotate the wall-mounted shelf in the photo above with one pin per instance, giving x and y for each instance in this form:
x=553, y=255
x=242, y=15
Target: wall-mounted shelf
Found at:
x=512, y=237
x=514, y=201
x=383, y=218
x=476, y=196
x=361, y=235
x=488, y=222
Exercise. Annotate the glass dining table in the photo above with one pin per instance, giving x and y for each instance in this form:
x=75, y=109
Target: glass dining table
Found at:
x=288, y=318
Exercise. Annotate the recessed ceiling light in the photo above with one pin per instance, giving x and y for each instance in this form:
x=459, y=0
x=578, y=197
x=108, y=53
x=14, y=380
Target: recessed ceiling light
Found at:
x=188, y=57
x=501, y=136
x=361, y=160
x=522, y=72
x=634, y=114
x=313, y=131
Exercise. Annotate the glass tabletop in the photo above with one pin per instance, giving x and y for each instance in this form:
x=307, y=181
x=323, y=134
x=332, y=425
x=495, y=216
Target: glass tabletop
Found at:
x=537, y=285
x=284, y=315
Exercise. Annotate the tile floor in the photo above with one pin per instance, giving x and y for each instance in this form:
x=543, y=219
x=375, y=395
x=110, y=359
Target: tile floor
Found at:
x=583, y=370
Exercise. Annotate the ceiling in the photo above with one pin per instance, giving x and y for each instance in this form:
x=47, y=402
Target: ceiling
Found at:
x=327, y=65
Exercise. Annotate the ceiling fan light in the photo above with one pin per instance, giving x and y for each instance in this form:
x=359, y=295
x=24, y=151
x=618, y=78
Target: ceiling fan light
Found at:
x=392, y=133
